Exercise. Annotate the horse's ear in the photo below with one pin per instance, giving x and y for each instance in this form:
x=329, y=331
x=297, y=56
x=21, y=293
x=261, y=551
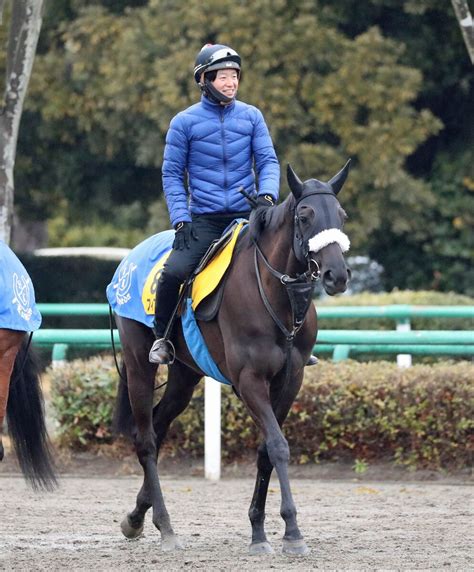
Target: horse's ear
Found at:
x=338, y=180
x=294, y=182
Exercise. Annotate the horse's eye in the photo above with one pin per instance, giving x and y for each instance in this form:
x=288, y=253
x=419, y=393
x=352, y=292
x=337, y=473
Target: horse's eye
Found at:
x=306, y=214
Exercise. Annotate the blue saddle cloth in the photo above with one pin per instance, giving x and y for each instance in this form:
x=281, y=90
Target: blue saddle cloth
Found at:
x=125, y=296
x=124, y=292
x=18, y=309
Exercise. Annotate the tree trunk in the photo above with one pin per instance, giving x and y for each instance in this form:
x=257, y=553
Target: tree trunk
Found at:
x=25, y=25
x=464, y=17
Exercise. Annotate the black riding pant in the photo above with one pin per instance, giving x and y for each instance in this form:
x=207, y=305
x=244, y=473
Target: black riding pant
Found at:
x=181, y=263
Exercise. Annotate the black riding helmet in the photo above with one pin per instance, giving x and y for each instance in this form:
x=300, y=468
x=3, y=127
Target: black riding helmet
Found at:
x=215, y=57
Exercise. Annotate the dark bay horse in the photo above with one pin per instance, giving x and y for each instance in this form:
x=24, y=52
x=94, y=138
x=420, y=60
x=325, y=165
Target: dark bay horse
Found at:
x=260, y=339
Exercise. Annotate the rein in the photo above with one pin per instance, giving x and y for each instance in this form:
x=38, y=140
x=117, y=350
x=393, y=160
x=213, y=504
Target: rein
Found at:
x=299, y=290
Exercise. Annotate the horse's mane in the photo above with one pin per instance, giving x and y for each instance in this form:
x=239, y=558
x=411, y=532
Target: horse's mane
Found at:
x=269, y=218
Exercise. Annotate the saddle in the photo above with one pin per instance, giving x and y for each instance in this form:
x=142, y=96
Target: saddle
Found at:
x=203, y=296
x=207, y=283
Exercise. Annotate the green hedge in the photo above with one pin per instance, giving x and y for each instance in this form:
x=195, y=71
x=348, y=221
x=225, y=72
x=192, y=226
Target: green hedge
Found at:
x=75, y=279
x=69, y=278
x=409, y=297
x=421, y=417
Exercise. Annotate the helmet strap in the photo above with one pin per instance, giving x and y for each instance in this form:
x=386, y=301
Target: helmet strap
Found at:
x=213, y=94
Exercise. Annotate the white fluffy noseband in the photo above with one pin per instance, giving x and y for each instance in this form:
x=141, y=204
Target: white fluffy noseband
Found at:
x=329, y=236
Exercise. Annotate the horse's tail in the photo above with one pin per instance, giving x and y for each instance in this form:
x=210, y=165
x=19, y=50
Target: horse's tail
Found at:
x=123, y=417
x=26, y=422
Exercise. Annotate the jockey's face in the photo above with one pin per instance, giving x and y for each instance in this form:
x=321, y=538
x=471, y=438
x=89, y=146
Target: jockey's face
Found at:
x=227, y=82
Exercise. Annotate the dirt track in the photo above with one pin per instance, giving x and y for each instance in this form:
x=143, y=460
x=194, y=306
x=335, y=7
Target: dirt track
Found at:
x=348, y=524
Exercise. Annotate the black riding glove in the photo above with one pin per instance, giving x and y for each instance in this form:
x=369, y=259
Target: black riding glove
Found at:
x=184, y=233
x=265, y=201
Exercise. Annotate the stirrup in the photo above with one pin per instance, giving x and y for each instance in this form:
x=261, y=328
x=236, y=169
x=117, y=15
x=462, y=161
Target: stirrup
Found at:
x=312, y=360
x=167, y=349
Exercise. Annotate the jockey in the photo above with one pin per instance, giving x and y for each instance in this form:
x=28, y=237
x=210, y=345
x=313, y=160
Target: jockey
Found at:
x=210, y=153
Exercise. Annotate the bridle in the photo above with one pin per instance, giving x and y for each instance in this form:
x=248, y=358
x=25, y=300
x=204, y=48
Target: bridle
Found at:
x=299, y=288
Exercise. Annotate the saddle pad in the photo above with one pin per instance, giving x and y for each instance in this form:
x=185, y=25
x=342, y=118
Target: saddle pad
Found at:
x=131, y=293
x=18, y=309
x=208, y=279
x=197, y=345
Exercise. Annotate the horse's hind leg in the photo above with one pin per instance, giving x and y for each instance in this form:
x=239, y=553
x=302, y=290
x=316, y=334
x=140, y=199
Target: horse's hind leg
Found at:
x=140, y=391
x=136, y=340
x=178, y=393
x=10, y=342
x=179, y=390
x=182, y=381
x=140, y=374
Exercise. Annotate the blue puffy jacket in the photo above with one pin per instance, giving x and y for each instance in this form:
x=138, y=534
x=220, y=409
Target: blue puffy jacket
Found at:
x=216, y=146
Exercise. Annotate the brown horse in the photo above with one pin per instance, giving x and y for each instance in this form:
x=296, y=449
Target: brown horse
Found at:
x=22, y=400
x=260, y=339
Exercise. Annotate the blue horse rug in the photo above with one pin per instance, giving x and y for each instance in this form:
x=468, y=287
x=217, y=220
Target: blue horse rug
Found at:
x=18, y=309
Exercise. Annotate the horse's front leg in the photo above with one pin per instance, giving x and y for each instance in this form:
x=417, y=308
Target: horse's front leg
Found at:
x=256, y=395
x=260, y=544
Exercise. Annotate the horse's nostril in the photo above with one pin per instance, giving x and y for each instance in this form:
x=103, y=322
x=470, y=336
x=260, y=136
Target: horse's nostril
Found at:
x=336, y=279
x=349, y=273
x=328, y=277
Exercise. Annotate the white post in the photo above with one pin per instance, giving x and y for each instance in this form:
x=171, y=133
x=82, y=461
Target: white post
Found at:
x=212, y=429
x=58, y=358
x=404, y=360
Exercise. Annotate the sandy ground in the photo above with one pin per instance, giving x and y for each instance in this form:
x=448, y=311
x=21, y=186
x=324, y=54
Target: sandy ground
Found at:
x=371, y=523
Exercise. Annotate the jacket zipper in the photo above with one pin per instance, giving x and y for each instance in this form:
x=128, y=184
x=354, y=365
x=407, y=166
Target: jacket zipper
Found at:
x=224, y=150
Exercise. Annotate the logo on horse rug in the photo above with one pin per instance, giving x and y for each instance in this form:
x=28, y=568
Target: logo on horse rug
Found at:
x=18, y=309
x=132, y=291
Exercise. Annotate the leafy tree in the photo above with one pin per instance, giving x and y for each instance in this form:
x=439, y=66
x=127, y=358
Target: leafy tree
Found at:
x=388, y=83
x=24, y=27
x=435, y=253
x=118, y=79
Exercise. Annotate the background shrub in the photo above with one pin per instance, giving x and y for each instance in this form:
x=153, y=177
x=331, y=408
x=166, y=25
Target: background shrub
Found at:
x=421, y=417
x=82, y=396
x=69, y=278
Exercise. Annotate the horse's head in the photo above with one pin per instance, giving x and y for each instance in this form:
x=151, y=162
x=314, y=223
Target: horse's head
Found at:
x=318, y=221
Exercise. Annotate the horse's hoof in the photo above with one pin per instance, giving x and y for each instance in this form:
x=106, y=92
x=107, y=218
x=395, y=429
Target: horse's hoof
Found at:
x=295, y=547
x=171, y=543
x=128, y=530
x=260, y=548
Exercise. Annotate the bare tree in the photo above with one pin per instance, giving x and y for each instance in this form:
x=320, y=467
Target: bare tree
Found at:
x=25, y=26
x=466, y=23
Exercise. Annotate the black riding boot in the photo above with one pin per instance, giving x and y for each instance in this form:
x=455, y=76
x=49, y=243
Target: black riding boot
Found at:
x=167, y=294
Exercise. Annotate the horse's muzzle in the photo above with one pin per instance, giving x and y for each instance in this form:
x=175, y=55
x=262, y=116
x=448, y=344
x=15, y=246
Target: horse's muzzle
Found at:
x=335, y=274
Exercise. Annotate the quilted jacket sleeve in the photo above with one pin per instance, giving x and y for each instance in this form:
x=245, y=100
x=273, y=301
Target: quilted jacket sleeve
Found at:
x=266, y=162
x=174, y=167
